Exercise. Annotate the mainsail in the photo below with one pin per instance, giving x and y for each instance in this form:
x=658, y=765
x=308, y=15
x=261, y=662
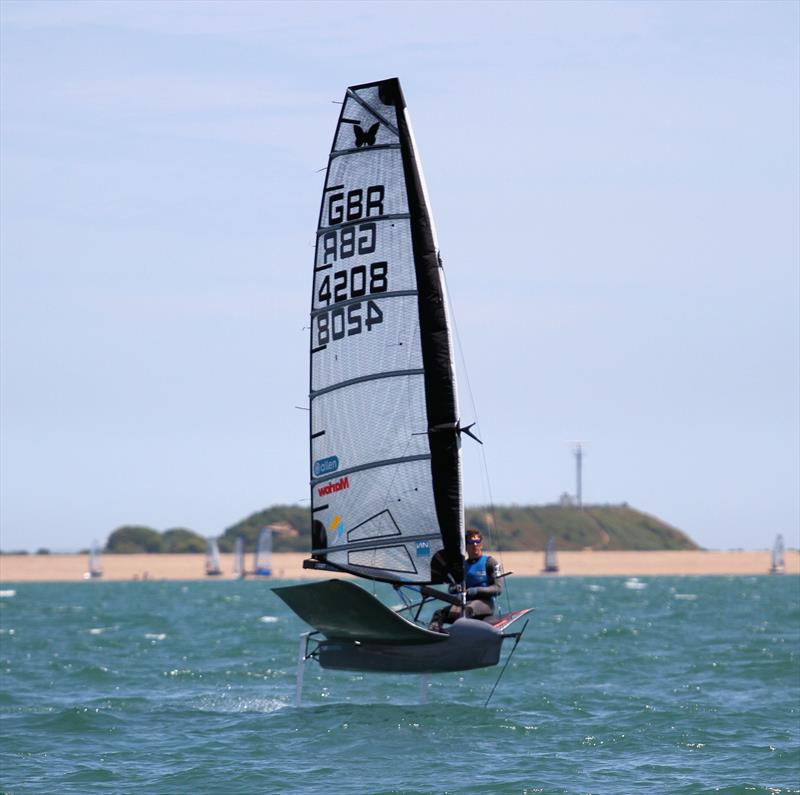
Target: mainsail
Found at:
x=778, y=563
x=550, y=560
x=238, y=557
x=212, y=558
x=95, y=566
x=263, y=558
x=384, y=422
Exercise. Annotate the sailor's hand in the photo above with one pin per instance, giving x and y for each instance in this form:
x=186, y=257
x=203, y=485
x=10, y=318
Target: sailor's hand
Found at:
x=454, y=588
x=472, y=593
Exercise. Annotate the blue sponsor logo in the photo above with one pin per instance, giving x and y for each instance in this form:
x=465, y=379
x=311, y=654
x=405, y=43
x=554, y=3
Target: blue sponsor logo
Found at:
x=325, y=466
x=423, y=549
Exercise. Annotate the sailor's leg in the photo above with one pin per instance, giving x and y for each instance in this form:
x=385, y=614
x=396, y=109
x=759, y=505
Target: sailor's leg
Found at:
x=444, y=615
x=477, y=608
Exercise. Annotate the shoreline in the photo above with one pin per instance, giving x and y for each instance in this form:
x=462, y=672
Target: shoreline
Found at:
x=289, y=565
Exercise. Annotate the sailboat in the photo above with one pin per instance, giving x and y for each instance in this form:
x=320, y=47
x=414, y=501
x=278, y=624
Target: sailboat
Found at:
x=238, y=558
x=263, y=560
x=550, y=561
x=213, y=567
x=778, y=563
x=385, y=431
x=95, y=566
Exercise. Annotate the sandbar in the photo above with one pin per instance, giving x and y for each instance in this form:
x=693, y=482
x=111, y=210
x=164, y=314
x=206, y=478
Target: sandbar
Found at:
x=289, y=565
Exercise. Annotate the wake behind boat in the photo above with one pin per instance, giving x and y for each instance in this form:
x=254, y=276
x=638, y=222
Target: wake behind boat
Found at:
x=385, y=432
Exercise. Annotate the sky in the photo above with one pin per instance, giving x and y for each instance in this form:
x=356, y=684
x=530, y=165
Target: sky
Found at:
x=616, y=189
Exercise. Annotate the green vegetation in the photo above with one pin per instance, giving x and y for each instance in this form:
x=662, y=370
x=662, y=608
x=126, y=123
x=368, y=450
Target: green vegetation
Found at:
x=612, y=527
x=514, y=527
x=291, y=529
x=135, y=539
x=180, y=540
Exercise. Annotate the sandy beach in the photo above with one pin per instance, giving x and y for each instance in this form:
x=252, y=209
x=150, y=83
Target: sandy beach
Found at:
x=64, y=568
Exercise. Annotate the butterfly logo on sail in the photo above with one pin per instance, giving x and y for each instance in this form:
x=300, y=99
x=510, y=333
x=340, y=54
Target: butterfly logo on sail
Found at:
x=366, y=138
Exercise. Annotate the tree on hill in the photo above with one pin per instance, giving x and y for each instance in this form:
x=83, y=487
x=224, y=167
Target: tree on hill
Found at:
x=134, y=539
x=181, y=540
x=292, y=529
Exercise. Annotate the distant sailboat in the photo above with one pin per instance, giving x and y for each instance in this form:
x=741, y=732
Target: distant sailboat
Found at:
x=213, y=567
x=238, y=558
x=550, y=561
x=95, y=565
x=778, y=563
x=263, y=560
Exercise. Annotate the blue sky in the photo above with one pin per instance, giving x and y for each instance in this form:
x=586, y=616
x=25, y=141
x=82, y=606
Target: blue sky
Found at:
x=615, y=187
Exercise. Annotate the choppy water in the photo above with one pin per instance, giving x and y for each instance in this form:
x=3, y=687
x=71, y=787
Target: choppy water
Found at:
x=667, y=685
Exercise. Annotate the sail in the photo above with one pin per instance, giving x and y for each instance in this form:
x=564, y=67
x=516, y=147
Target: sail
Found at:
x=238, y=557
x=778, y=563
x=384, y=423
x=212, y=557
x=550, y=561
x=263, y=560
x=95, y=566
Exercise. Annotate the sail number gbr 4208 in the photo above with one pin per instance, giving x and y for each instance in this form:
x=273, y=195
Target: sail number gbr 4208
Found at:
x=342, y=294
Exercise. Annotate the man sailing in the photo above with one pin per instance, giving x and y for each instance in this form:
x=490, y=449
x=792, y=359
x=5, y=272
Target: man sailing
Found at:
x=482, y=582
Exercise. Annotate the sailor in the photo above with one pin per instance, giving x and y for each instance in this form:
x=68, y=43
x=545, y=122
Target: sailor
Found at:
x=482, y=575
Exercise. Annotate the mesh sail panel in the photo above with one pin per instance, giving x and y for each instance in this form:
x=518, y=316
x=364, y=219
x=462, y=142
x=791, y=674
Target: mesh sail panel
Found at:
x=375, y=505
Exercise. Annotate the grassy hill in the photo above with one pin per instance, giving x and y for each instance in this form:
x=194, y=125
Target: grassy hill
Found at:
x=610, y=527
x=515, y=527
x=509, y=528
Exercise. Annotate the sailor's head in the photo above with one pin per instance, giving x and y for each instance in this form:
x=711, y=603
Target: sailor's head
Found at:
x=474, y=543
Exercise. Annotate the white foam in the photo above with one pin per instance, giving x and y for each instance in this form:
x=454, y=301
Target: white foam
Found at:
x=268, y=619
x=634, y=584
x=155, y=635
x=7, y=594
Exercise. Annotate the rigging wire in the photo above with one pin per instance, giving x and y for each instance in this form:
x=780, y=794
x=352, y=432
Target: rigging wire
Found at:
x=491, y=524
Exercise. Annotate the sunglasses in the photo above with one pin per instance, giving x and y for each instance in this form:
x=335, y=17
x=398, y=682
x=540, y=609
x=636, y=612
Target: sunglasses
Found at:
x=474, y=540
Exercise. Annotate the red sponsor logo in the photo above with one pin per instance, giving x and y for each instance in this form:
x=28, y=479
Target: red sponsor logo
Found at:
x=334, y=485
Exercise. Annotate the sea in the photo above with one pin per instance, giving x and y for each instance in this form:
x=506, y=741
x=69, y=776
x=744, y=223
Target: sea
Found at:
x=672, y=685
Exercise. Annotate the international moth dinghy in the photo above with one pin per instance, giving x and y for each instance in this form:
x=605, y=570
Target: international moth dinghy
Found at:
x=95, y=570
x=778, y=560
x=213, y=566
x=385, y=432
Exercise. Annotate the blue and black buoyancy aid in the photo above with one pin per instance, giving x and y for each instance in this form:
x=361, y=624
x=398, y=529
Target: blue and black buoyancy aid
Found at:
x=476, y=575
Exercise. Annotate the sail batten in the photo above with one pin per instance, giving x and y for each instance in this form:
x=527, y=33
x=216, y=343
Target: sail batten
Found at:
x=379, y=543
x=374, y=148
x=364, y=378
x=389, y=462
x=349, y=301
x=386, y=492
x=373, y=219
x=351, y=92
